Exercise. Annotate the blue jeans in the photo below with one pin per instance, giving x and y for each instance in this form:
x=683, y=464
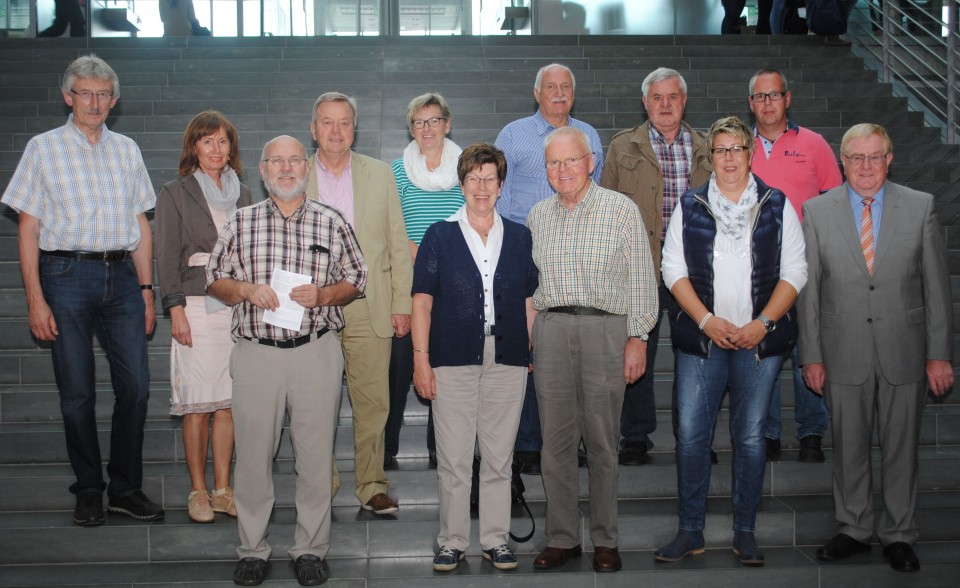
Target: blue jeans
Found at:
x=528, y=436
x=777, y=14
x=700, y=387
x=102, y=298
x=809, y=410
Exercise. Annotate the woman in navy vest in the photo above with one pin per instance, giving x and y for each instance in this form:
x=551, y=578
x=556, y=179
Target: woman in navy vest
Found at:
x=734, y=260
x=473, y=285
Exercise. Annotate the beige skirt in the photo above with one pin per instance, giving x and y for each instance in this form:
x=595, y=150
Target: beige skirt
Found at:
x=200, y=375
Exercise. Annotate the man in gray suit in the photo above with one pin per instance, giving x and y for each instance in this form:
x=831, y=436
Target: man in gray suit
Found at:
x=875, y=329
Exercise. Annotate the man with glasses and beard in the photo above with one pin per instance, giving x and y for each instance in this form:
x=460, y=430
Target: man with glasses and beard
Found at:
x=278, y=370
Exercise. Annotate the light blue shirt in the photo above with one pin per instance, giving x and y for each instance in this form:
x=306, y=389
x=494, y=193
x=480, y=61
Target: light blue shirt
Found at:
x=856, y=203
x=526, y=184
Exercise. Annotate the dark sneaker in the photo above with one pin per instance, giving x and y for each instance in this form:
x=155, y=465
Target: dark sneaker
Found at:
x=138, y=506
x=774, y=451
x=447, y=559
x=634, y=453
x=311, y=570
x=529, y=462
x=89, y=510
x=501, y=557
x=811, y=449
x=250, y=571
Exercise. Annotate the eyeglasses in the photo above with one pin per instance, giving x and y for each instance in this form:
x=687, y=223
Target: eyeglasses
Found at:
x=474, y=181
x=279, y=161
x=87, y=95
x=569, y=162
x=722, y=151
x=432, y=122
x=773, y=96
x=875, y=159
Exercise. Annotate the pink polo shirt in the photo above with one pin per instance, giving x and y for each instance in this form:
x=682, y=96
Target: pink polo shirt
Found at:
x=801, y=164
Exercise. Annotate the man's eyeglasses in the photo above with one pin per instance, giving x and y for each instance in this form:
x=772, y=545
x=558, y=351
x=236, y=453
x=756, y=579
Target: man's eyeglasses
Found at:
x=773, y=96
x=875, y=159
x=432, y=122
x=87, y=95
x=722, y=151
x=474, y=181
x=568, y=162
x=278, y=162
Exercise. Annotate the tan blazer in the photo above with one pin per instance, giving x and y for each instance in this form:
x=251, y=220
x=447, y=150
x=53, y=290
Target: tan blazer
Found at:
x=378, y=223
x=901, y=314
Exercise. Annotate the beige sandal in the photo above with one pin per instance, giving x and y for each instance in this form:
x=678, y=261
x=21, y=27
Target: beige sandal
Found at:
x=198, y=507
x=222, y=501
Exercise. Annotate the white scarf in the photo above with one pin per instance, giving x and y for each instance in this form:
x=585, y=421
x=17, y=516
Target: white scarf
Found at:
x=442, y=178
x=225, y=200
x=734, y=218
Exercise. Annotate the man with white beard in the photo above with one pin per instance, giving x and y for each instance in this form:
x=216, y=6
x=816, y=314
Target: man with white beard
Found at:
x=279, y=370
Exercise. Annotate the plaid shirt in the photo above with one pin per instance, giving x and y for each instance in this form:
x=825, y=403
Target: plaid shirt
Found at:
x=595, y=255
x=315, y=240
x=674, y=161
x=87, y=197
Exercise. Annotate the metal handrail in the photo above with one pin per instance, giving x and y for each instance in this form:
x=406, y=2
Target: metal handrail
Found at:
x=924, y=62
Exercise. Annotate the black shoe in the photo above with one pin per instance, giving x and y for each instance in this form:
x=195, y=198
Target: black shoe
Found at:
x=250, y=571
x=311, y=570
x=774, y=451
x=138, y=506
x=901, y=557
x=89, y=510
x=390, y=462
x=811, y=449
x=634, y=453
x=529, y=462
x=841, y=547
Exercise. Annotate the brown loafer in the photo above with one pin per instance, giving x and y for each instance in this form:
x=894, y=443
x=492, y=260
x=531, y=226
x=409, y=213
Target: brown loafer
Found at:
x=381, y=504
x=606, y=559
x=554, y=557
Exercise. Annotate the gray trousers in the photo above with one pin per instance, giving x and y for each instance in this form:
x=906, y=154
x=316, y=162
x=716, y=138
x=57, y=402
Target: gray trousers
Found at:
x=896, y=410
x=476, y=404
x=578, y=371
x=268, y=383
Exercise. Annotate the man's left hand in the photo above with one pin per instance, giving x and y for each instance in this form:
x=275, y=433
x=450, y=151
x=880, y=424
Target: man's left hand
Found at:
x=634, y=360
x=150, y=312
x=306, y=295
x=939, y=376
x=401, y=324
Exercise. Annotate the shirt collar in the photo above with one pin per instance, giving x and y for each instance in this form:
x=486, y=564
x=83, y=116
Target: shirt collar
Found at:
x=77, y=134
x=544, y=127
x=657, y=137
x=297, y=213
x=320, y=165
x=588, y=199
x=791, y=126
x=856, y=198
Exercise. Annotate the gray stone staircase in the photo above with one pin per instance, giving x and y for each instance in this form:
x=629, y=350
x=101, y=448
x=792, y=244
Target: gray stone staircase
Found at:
x=267, y=87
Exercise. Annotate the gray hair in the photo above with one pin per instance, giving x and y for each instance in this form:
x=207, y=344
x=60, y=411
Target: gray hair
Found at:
x=263, y=154
x=546, y=68
x=334, y=97
x=89, y=67
x=769, y=71
x=735, y=127
x=422, y=101
x=865, y=131
x=568, y=131
x=660, y=74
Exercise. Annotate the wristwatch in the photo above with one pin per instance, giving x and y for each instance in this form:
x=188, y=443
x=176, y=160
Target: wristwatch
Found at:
x=768, y=324
x=643, y=337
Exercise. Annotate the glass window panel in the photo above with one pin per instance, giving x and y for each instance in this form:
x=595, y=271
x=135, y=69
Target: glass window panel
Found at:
x=430, y=17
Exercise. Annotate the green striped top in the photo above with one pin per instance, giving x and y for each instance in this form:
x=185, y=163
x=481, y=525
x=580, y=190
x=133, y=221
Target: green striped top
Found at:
x=422, y=208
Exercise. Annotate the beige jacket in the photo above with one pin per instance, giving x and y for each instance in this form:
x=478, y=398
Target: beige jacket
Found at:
x=631, y=167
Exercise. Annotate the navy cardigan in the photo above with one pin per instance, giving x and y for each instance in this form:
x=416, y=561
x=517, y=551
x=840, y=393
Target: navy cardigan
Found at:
x=445, y=270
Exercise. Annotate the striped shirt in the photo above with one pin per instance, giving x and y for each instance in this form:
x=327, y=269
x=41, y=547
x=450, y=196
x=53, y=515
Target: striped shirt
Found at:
x=336, y=191
x=674, y=161
x=522, y=143
x=315, y=240
x=595, y=255
x=421, y=208
x=87, y=197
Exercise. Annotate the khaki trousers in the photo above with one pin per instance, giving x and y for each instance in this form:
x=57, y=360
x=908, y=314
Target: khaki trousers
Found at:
x=368, y=374
x=476, y=404
x=267, y=384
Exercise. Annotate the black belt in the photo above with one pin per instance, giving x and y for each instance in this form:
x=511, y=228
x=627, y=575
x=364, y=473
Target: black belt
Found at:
x=119, y=255
x=579, y=310
x=289, y=343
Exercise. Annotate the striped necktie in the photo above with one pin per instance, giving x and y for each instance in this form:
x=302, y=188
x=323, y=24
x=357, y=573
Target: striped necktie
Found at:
x=866, y=234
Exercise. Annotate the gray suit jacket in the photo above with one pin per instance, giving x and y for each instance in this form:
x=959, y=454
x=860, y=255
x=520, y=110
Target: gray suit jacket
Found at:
x=184, y=227
x=901, y=314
